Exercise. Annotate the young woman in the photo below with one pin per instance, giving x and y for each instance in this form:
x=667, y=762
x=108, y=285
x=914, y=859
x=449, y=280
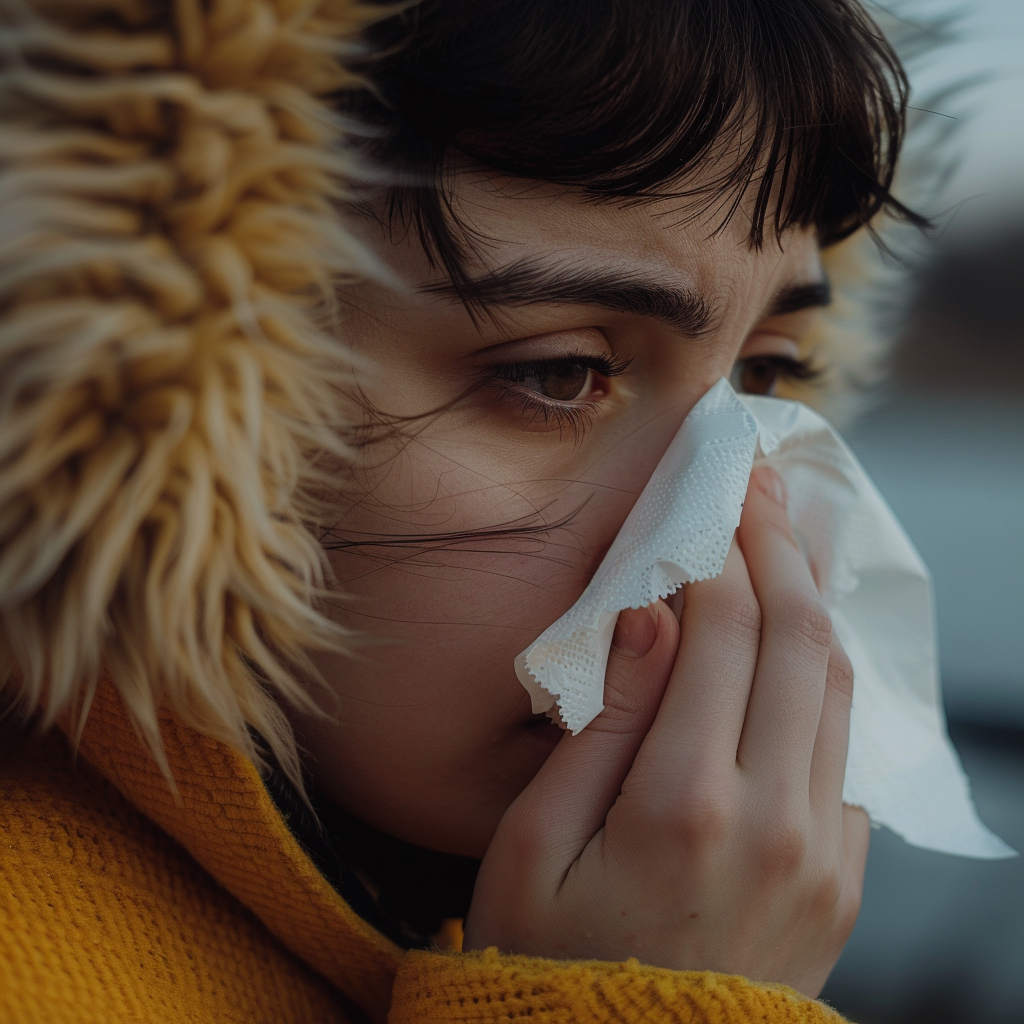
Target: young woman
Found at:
x=290, y=474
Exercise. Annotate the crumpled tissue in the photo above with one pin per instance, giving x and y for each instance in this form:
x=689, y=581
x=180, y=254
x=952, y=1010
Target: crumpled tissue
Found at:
x=901, y=768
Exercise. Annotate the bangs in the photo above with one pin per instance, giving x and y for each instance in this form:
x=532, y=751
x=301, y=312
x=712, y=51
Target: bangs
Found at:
x=800, y=103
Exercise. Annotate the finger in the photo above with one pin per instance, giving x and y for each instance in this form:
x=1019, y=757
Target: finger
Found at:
x=701, y=715
x=856, y=840
x=566, y=803
x=828, y=762
x=796, y=636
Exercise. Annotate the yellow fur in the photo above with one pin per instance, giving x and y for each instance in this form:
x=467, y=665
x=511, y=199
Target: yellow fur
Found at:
x=169, y=246
x=841, y=340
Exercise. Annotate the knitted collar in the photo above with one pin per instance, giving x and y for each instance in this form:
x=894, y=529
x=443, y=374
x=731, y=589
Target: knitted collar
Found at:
x=222, y=814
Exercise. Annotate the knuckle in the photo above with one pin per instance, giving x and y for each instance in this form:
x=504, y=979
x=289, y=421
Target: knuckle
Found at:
x=848, y=910
x=701, y=817
x=840, y=672
x=826, y=895
x=837, y=898
x=784, y=851
x=737, y=614
x=808, y=619
x=627, y=700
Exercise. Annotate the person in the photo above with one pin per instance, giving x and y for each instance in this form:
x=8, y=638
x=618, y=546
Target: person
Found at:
x=330, y=371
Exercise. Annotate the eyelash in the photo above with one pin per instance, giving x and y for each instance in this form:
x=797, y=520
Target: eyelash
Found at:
x=567, y=416
x=790, y=367
x=579, y=416
x=785, y=368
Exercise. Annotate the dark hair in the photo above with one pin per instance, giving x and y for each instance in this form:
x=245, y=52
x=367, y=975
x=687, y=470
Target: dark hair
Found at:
x=623, y=99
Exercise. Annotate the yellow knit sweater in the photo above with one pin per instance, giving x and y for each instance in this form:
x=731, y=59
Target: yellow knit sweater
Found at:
x=122, y=902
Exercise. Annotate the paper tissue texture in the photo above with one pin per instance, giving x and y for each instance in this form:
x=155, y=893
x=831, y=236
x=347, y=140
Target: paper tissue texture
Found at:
x=901, y=767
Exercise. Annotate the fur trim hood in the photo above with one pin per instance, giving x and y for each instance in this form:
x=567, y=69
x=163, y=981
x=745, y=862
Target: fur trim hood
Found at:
x=169, y=383
x=171, y=373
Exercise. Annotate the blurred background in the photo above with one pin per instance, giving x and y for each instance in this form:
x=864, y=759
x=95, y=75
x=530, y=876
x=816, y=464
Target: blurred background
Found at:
x=941, y=939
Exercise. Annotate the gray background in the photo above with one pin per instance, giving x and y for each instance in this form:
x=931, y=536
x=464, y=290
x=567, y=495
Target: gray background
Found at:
x=941, y=939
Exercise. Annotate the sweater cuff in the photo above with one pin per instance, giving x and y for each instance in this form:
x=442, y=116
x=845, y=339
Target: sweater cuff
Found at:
x=484, y=987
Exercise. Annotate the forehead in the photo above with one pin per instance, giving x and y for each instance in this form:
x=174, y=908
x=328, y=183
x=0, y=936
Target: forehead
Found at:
x=673, y=241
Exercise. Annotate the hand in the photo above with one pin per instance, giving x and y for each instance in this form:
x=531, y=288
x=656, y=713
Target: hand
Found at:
x=698, y=822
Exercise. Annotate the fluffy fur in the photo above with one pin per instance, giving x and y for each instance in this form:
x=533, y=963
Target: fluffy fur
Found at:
x=169, y=246
x=170, y=378
x=843, y=340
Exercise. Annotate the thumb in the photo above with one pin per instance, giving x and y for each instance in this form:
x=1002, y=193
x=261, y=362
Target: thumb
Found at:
x=566, y=803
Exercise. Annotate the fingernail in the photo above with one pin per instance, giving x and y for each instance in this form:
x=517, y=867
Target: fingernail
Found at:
x=635, y=631
x=771, y=484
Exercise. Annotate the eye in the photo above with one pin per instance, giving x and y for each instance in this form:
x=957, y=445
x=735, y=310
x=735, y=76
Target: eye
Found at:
x=569, y=379
x=562, y=394
x=561, y=381
x=760, y=375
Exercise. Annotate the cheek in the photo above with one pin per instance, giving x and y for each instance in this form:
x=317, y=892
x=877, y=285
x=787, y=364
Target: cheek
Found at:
x=445, y=569
x=472, y=601
x=433, y=735
x=453, y=575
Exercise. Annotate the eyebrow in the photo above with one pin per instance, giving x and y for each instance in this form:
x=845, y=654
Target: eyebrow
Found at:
x=795, y=297
x=529, y=282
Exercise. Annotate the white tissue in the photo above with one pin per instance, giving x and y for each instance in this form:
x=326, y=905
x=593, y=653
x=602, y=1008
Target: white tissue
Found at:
x=901, y=767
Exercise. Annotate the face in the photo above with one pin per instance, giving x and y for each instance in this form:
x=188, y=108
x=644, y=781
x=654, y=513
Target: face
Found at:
x=509, y=447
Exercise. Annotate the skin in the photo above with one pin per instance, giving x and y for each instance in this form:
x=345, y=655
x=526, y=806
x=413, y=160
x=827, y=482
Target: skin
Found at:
x=715, y=773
